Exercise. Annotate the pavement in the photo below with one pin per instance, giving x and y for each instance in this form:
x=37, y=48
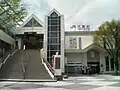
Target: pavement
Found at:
x=98, y=82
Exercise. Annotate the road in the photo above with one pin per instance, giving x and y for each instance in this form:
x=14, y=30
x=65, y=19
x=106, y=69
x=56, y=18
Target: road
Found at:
x=100, y=82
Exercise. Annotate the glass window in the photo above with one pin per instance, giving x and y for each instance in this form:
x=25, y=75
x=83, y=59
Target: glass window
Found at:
x=112, y=64
x=54, y=14
x=59, y=33
x=52, y=40
x=92, y=53
x=80, y=43
x=53, y=28
x=29, y=24
x=53, y=34
x=107, y=63
x=59, y=40
x=49, y=59
x=53, y=18
x=48, y=47
x=57, y=64
x=52, y=53
x=48, y=53
x=36, y=24
x=49, y=22
x=53, y=47
x=53, y=23
x=59, y=52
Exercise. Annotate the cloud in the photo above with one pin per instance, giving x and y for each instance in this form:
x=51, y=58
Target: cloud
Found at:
x=92, y=12
x=97, y=12
x=37, y=7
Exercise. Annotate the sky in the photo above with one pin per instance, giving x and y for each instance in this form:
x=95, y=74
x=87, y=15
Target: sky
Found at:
x=78, y=12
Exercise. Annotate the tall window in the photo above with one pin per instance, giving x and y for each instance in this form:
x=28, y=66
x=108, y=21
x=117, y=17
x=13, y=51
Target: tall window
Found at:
x=92, y=53
x=54, y=35
x=107, y=63
x=80, y=45
x=112, y=64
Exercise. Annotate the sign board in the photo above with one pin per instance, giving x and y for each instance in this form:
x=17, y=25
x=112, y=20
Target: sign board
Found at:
x=80, y=27
x=73, y=42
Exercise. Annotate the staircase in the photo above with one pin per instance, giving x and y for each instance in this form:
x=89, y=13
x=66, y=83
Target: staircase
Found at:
x=12, y=69
x=34, y=67
x=30, y=61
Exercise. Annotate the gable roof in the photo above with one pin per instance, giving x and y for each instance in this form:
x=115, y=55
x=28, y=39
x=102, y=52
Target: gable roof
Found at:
x=32, y=17
x=94, y=46
x=53, y=10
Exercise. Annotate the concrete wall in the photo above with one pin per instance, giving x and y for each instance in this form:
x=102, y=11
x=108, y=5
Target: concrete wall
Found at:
x=74, y=57
x=5, y=37
x=86, y=41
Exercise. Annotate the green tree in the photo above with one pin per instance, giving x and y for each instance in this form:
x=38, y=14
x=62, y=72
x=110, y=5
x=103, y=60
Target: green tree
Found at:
x=11, y=13
x=108, y=35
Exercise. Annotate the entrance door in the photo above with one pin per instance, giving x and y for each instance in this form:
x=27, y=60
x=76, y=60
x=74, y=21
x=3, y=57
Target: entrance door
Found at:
x=95, y=67
x=33, y=41
x=93, y=60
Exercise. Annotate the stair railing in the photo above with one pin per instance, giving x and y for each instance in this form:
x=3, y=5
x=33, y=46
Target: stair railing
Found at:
x=49, y=66
x=23, y=67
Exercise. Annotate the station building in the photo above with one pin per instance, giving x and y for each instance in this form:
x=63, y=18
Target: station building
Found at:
x=77, y=48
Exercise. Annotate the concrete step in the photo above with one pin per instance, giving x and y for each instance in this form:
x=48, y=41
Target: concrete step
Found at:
x=35, y=68
x=13, y=69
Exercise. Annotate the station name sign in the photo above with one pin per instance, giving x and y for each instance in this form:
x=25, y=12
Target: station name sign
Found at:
x=80, y=27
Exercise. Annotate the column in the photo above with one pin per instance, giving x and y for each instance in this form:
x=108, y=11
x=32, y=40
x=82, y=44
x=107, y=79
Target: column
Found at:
x=62, y=44
x=84, y=59
x=45, y=38
x=109, y=64
x=19, y=43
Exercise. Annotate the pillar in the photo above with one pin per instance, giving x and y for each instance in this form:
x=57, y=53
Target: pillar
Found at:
x=19, y=43
x=84, y=59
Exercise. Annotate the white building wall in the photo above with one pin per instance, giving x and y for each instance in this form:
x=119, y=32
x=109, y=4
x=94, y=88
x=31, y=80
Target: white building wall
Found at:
x=74, y=58
x=85, y=41
x=67, y=42
x=39, y=30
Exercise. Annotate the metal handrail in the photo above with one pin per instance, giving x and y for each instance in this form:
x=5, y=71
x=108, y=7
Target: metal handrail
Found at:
x=49, y=66
x=23, y=67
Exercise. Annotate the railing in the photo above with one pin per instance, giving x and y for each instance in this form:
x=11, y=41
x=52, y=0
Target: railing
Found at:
x=49, y=66
x=23, y=67
x=6, y=55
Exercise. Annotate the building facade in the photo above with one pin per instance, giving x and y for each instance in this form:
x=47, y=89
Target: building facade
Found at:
x=77, y=48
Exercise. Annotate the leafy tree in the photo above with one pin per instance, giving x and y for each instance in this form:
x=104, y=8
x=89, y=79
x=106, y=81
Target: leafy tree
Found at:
x=11, y=13
x=108, y=35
